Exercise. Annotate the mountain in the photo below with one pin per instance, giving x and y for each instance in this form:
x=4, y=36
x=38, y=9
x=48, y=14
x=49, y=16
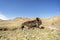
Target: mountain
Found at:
x=14, y=23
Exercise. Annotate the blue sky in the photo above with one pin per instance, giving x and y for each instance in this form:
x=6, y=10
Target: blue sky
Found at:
x=30, y=8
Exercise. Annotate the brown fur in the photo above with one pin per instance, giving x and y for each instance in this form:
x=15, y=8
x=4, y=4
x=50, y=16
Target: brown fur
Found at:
x=31, y=24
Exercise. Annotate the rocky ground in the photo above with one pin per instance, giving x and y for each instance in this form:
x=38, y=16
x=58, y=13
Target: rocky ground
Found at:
x=30, y=34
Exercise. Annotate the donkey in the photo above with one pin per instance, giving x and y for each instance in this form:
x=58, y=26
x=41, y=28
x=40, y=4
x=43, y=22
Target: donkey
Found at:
x=32, y=24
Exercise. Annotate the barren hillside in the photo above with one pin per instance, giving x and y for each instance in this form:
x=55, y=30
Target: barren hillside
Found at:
x=51, y=32
x=55, y=21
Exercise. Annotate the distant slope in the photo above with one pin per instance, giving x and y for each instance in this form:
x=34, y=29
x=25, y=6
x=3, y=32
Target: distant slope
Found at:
x=54, y=21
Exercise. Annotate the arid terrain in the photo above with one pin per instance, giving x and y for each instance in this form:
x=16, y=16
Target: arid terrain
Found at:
x=50, y=32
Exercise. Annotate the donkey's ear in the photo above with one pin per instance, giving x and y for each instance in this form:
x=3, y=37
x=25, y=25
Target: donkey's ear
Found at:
x=37, y=19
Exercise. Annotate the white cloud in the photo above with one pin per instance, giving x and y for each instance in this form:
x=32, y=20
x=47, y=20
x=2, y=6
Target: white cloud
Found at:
x=3, y=17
